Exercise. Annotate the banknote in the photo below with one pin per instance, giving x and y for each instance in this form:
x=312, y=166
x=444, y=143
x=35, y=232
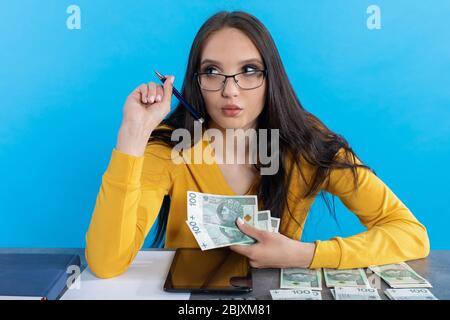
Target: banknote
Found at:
x=275, y=223
x=211, y=236
x=355, y=293
x=220, y=210
x=410, y=294
x=296, y=294
x=266, y=222
x=262, y=220
x=301, y=278
x=346, y=278
x=400, y=275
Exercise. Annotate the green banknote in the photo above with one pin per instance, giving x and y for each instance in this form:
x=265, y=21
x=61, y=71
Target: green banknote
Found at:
x=346, y=278
x=400, y=275
x=211, y=236
x=301, y=278
x=219, y=209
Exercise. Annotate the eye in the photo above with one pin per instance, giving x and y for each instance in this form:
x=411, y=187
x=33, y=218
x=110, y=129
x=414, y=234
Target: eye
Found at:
x=208, y=69
x=251, y=67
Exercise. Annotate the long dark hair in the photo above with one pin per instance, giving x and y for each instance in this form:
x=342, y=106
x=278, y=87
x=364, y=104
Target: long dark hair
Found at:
x=301, y=133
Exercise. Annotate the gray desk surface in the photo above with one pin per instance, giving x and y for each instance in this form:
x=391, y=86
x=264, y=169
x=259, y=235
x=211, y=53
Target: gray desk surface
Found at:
x=435, y=268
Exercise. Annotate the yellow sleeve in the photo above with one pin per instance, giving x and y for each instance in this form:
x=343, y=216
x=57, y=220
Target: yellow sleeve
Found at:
x=394, y=234
x=129, y=200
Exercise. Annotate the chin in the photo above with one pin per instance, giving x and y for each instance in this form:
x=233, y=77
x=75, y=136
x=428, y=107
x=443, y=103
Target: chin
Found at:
x=232, y=123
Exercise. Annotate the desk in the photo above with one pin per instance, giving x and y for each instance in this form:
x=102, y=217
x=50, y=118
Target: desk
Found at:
x=435, y=268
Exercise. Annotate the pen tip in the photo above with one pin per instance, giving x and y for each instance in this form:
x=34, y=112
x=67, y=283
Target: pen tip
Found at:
x=159, y=74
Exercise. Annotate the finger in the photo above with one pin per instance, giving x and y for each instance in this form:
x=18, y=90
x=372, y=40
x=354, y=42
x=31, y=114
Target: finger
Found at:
x=151, y=91
x=243, y=250
x=143, y=89
x=249, y=230
x=159, y=93
x=168, y=85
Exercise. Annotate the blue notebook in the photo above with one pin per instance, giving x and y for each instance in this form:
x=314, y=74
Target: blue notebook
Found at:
x=36, y=275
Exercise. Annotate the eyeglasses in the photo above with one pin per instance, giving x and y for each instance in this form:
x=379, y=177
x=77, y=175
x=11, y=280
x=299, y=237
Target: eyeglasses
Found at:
x=245, y=80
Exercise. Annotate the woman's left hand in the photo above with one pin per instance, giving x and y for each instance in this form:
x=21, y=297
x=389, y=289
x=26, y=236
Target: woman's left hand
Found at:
x=274, y=250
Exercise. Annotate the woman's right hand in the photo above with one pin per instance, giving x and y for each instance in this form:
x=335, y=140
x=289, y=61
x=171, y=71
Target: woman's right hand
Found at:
x=148, y=104
x=142, y=114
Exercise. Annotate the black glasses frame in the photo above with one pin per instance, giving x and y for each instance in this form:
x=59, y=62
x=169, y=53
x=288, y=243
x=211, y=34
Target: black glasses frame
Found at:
x=197, y=75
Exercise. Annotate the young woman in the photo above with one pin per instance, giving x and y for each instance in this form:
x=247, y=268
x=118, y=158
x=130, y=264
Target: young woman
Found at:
x=236, y=80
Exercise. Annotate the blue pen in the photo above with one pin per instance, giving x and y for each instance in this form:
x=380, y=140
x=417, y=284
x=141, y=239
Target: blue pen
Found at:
x=177, y=94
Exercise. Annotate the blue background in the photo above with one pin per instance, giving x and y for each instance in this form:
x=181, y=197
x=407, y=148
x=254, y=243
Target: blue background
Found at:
x=387, y=91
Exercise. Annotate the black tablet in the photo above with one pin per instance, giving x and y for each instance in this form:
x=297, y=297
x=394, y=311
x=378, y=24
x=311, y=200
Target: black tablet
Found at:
x=211, y=271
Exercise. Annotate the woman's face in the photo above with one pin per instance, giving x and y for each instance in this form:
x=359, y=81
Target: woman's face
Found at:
x=226, y=50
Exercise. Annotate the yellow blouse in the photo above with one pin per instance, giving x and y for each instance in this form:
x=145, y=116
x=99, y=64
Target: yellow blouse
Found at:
x=133, y=188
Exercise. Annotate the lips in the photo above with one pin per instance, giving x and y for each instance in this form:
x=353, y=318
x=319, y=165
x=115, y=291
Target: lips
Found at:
x=231, y=107
x=231, y=110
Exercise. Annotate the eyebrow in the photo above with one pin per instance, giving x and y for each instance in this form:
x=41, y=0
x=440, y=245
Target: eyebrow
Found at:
x=242, y=62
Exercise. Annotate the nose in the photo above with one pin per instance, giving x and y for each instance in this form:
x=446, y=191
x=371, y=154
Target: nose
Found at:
x=230, y=88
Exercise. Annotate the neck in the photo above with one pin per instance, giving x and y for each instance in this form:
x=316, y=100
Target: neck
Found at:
x=240, y=150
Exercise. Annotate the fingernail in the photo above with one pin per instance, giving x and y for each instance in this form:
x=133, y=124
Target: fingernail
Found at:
x=172, y=79
x=145, y=100
x=240, y=221
x=158, y=98
x=152, y=99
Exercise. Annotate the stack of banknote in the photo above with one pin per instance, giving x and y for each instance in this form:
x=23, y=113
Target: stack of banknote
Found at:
x=296, y=294
x=406, y=283
x=299, y=284
x=400, y=275
x=348, y=283
x=410, y=294
x=355, y=293
x=352, y=284
x=212, y=219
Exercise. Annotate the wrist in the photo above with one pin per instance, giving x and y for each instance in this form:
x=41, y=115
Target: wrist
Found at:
x=132, y=139
x=135, y=129
x=303, y=255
